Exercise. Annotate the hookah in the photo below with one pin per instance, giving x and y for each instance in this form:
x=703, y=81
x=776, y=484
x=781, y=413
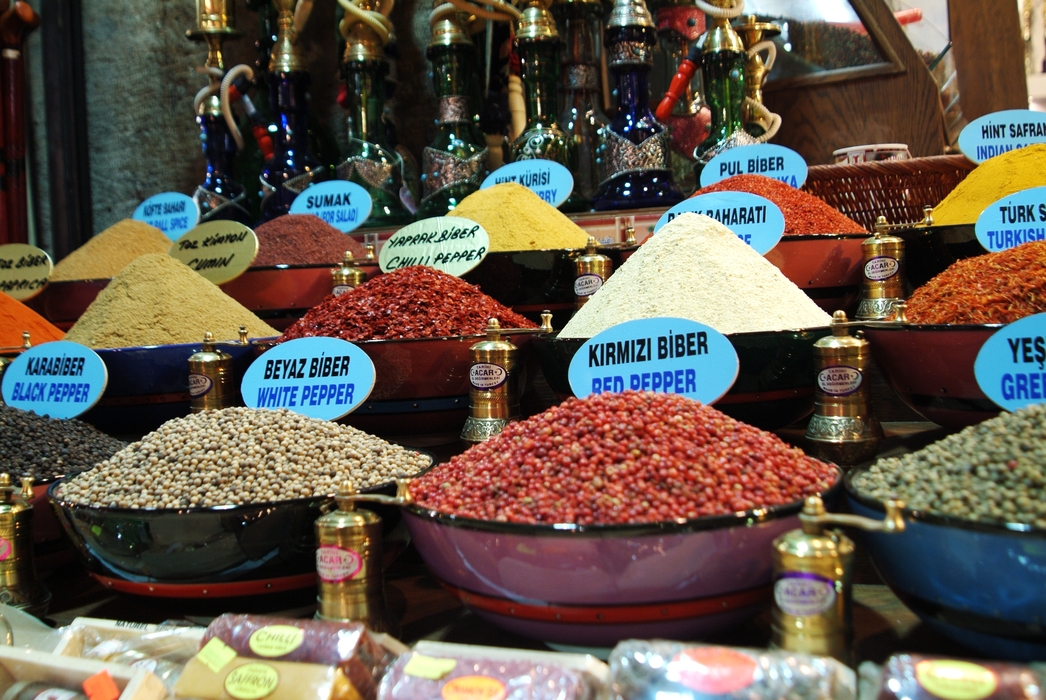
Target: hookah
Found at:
x=370, y=162
x=634, y=165
x=723, y=59
x=537, y=43
x=219, y=196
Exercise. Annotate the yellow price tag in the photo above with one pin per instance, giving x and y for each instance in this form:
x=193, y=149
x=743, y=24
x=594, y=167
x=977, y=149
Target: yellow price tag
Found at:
x=421, y=666
x=216, y=655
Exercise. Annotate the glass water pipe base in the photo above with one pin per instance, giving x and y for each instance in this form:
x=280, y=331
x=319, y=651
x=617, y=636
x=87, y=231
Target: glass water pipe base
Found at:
x=639, y=190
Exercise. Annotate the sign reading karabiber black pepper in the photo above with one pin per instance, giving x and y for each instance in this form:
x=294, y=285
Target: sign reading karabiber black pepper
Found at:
x=219, y=250
x=24, y=270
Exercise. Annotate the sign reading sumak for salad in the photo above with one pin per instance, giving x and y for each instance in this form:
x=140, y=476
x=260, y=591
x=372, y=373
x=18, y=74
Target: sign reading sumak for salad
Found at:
x=1013, y=220
x=668, y=355
x=324, y=378
x=219, y=250
x=1011, y=365
x=342, y=204
x=60, y=379
x=450, y=244
x=755, y=220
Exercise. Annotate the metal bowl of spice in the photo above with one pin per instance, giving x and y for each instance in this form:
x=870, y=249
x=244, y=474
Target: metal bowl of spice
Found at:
x=590, y=523
x=219, y=503
x=930, y=251
x=970, y=559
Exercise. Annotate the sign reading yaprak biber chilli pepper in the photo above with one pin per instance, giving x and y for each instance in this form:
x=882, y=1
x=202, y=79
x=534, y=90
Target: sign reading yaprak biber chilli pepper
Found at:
x=450, y=244
x=668, y=355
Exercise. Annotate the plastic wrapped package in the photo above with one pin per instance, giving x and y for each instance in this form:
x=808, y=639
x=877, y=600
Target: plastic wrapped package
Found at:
x=659, y=670
x=214, y=676
x=417, y=676
x=913, y=677
x=347, y=645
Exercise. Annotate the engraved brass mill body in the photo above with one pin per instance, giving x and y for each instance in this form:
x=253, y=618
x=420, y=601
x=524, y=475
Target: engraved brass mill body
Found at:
x=19, y=586
x=212, y=384
x=591, y=270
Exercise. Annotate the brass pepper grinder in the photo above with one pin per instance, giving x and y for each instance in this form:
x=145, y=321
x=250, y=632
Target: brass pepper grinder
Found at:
x=883, y=266
x=813, y=568
x=493, y=386
x=843, y=429
x=591, y=270
x=348, y=562
x=19, y=586
x=211, y=377
x=347, y=276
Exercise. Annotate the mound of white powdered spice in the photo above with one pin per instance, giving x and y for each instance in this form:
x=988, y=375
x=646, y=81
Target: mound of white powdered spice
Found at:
x=698, y=269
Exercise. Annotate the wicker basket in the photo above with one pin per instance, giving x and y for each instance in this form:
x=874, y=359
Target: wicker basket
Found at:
x=896, y=189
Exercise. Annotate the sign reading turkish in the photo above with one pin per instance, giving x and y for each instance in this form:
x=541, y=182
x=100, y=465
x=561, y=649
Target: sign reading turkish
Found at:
x=1011, y=365
x=668, y=355
x=1002, y=132
x=448, y=243
x=219, y=250
x=766, y=159
x=24, y=270
x=60, y=379
x=545, y=178
x=173, y=213
x=1013, y=220
x=324, y=378
x=756, y=220
x=342, y=204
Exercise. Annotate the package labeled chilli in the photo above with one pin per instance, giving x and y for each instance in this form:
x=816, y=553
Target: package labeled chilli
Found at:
x=416, y=676
x=650, y=670
x=914, y=677
x=348, y=646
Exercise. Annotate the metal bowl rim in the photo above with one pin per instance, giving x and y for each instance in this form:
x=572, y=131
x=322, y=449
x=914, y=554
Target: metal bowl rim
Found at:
x=955, y=327
x=665, y=527
x=932, y=518
x=554, y=337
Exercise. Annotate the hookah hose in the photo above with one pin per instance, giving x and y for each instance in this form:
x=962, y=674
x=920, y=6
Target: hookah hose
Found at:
x=770, y=122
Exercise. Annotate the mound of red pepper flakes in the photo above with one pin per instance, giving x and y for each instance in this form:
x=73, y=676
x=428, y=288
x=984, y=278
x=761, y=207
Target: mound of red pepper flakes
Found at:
x=991, y=288
x=633, y=457
x=803, y=212
x=412, y=302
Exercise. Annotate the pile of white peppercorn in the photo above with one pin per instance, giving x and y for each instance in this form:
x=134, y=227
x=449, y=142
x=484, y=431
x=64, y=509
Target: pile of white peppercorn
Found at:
x=46, y=448
x=991, y=472
x=238, y=456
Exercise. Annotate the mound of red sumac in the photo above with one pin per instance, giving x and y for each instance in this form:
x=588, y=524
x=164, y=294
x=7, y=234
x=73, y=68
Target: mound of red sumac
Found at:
x=633, y=457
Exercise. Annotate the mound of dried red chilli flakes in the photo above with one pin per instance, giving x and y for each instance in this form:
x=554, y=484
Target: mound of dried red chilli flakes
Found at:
x=991, y=288
x=302, y=239
x=633, y=457
x=412, y=302
x=803, y=212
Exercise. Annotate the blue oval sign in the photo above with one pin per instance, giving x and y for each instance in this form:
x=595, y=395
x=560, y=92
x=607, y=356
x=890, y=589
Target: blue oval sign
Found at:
x=756, y=220
x=342, y=204
x=323, y=378
x=1001, y=132
x=1011, y=365
x=545, y=178
x=767, y=159
x=1013, y=220
x=173, y=213
x=60, y=379
x=668, y=355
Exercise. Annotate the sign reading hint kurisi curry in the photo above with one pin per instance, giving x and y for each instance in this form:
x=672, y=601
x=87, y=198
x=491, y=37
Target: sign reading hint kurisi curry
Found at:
x=221, y=251
x=450, y=244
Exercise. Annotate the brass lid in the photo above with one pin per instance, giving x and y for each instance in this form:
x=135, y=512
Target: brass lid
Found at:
x=363, y=43
x=840, y=337
x=494, y=342
x=10, y=497
x=346, y=515
x=215, y=17
x=879, y=239
x=720, y=36
x=537, y=24
x=450, y=32
x=286, y=57
x=812, y=540
x=208, y=353
x=754, y=31
x=630, y=13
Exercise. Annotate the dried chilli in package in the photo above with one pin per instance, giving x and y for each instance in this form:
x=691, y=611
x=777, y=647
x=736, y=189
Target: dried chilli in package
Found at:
x=417, y=676
x=349, y=646
x=647, y=670
x=913, y=677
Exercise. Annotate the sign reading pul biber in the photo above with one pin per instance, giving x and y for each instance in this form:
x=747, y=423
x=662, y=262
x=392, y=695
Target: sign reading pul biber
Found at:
x=324, y=378
x=24, y=270
x=766, y=159
x=1011, y=365
x=669, y=355
x=342, y=204
x=1013, y=220
x=59, y=379
x=219, y=250
x=450, y=244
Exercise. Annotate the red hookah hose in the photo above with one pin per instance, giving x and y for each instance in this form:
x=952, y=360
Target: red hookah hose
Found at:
x=676, y=89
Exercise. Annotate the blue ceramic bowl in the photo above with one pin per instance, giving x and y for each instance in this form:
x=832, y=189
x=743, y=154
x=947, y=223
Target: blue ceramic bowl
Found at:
x=980, y=584
x=149, y=385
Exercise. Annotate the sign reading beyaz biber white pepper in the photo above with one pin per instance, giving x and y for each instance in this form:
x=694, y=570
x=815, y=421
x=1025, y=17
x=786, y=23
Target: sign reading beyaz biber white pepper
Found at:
x=324, y=378
x=667, y=355
x=450, y=244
